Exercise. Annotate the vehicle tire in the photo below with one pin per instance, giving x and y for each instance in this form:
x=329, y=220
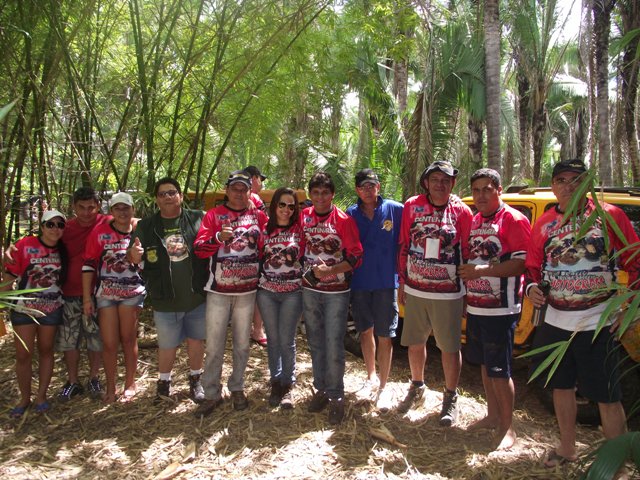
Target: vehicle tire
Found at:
x=352, y=338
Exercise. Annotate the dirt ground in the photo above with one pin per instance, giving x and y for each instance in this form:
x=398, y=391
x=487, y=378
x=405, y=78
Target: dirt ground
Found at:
x=86, y=439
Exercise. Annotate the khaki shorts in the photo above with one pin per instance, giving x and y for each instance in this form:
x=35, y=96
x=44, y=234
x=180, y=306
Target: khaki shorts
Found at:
x=424, y=315
x=77, y=326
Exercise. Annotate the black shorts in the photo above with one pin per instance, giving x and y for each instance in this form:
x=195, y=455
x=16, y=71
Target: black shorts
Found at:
x=52, y=320
x=590, y=365
x=490, y=342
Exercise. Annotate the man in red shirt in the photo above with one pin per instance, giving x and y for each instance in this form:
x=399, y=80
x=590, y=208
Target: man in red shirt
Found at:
x=433, y=236
x=492, y=274
x=581, y=270
x=77, y=326
x=332, y=251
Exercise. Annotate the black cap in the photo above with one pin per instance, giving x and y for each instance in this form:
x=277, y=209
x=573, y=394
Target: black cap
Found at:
x=439, y=166
x=366, y=175
x=253, y=171
x=573, y=165
x=239, y=176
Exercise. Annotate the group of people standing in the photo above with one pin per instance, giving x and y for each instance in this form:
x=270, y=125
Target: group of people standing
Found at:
x=203, y=272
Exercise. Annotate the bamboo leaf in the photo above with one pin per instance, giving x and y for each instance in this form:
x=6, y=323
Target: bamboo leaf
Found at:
x=610, y=456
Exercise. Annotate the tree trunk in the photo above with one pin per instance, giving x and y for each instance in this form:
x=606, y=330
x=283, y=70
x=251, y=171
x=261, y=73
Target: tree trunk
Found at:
x=538, y=127
x=492, y=80
x=363, y=150
x=475, y=132
x=524, y=124
x=601, y=27
x=630, y=13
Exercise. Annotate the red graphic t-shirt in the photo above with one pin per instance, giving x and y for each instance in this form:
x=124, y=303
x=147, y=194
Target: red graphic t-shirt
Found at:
x=281, y=260
x=106, y=253
x=234, y=265
x=496, y=239
x=331, y=238
x=580, y=271
x=37, y=266
x=432, y=241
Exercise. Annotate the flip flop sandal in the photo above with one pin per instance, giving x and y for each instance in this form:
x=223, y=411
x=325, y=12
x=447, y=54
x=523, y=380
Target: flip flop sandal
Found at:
x=43, y=407
x=260, y=341
x=554, y=459
x=18, y=412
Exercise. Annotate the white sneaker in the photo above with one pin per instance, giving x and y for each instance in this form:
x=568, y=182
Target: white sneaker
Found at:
x=384, y=403
x=369, y=389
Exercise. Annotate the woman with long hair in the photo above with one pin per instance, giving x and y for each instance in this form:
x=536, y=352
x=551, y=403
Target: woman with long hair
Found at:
x=280, y=292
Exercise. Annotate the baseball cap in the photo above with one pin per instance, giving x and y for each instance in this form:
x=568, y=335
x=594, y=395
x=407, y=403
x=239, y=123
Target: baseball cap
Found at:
x=439, y=166
x=253, y=171
x=572, y=165
x=49, y=214
x=121, y=197
x=366, y=175
x=239, y=176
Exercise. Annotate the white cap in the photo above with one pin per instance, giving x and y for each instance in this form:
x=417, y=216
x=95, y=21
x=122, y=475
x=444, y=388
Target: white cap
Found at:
x=121, y=197
x=49, y=214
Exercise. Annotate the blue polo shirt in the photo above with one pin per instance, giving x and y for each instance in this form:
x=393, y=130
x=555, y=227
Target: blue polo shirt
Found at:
x=379, y=238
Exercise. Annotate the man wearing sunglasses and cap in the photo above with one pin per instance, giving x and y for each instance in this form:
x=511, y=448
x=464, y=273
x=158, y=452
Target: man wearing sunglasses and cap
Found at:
x=581, y=271
x=230, y=238
x=374, y=304
x=434, y=233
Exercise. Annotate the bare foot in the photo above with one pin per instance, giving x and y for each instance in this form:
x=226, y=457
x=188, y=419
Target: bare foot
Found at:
x=482, y=424
x=109, y=398
x=129, y=393
x=507, y=439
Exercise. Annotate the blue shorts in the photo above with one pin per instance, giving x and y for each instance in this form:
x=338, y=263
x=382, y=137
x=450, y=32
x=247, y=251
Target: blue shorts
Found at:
x=490, y=342
x=174, y=327
x=137, y=301
x=52, y=320
x=589, y=364
x=377, y=309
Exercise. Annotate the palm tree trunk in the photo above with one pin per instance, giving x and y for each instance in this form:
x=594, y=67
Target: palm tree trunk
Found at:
x=601, y=27
x=524, y=124
x=492, y=68
x=475, y=133
x=630, y=13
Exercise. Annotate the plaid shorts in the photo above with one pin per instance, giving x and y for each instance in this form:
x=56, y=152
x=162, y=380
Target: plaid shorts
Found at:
x=76, y=327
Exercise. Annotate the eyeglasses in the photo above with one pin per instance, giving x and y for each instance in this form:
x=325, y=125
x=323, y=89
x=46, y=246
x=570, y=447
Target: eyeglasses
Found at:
x=168, y=193
x=290, y=206
x=567, y=180
x=51, y=224
x=367, y=186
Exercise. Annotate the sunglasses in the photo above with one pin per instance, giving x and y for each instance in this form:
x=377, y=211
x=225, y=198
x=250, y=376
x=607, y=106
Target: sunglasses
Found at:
x=168, y=193
x=290, y=206
x=51, y=224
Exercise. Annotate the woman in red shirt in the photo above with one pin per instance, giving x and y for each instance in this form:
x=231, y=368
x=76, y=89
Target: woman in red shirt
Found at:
x=119, y=292
x=40, y=262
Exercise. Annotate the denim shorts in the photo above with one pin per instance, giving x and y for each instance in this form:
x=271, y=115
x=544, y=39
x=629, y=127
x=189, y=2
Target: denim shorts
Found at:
x=52, y=320
x=137, y=301
x=377, y=309
x=174, y=327
x=490, y=342
x=589, y=364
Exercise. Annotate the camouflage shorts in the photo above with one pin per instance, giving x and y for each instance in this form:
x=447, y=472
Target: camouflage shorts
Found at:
x=77, y=328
